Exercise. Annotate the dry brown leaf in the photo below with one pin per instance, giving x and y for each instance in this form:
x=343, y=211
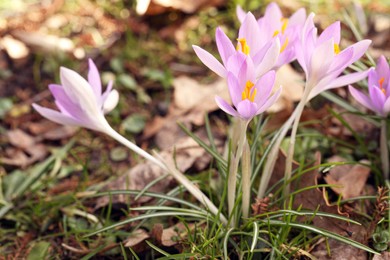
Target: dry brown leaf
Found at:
x=171, y=236
x=189, y=94
x=136, y=237
x=383, y=256
x=347, y=180
x=292, y=83
x=20, y=139
x=60, y=132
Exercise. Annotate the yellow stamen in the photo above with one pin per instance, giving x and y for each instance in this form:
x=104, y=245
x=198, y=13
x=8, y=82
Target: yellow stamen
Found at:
x=246, y=94
x=336, y=48
x=381, y=80
x=284, y=24
x=243, y=46
x=284, y=46
x=275, y=33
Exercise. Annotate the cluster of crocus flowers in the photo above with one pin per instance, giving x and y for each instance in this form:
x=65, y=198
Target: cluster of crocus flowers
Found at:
x=274, y=25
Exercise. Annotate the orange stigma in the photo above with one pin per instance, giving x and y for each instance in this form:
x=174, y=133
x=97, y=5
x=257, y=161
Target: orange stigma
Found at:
x=246, y=94
x=381, y=80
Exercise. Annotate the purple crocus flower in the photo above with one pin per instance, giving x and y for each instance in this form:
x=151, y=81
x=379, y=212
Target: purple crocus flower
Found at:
x=378, y=99
x=249, y=95
x=81, y=102
x=249, y=42
x=323, y=62
x=273, y=24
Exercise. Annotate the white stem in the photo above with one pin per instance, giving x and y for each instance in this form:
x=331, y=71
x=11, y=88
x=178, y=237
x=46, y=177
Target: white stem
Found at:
x=291, y=146
x=273, y=156
x=246, y=179
x=235, y=159
x=384, y=150
x=193, y=189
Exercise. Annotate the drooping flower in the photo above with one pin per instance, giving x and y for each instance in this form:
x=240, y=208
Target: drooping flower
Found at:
x=274, y=24
x=323, y=62
x=81, y=102
x=250, y=95
x=248, y=42
x=378, y=99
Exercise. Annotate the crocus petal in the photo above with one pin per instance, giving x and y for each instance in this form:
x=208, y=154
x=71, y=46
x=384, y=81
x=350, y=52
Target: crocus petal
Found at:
x=240, y=13
x=225, y=46
x=382, y=67
x=94, y=79
x=377, y=97
x=79, y=91
x=341, y=61
x=322, y=59
x=235, y=63
x=264, y=87
x=270, y=58
x=111, y=101
x=331, y=32
x=247, y=109
x=269, y=101
x=56, y=116
x=359, y=49
x=339, y=82
x=250, y=31
x=106, y=92
x=298, y=18
x=210, y=61
x=386, y=107
x=63, y=102
x=234, y=89
x=361, y=98
x=222, y=104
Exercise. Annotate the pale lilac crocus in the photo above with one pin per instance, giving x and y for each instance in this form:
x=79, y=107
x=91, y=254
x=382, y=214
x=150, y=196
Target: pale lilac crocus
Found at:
x=378, y=98
x=81, y=102
x=323, y=61
x=250, y=95
x=274, y=24
x=248, y=42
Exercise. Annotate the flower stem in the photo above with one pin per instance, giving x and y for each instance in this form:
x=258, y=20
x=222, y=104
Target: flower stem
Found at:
x=235, y=159
x=384, y=149
x=291, y=146
x=246, y=179
x=192, y=188
x=273, y=156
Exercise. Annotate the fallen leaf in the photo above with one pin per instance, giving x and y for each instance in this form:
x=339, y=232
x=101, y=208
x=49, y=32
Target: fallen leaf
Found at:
x=383, y=256
x=136, y=237
x=20, y=139
x=173, y=235
x=347, y=180
x=60, y=132
x=153, y=7
x=292, y=83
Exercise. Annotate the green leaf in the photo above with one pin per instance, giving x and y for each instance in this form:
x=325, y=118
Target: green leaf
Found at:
x=5, y=105
x=127, y=81
x=39, y=251
x=118, y=154
x=134, y=123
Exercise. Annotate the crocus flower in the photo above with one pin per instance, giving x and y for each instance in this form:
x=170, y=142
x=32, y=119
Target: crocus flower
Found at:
x=273, y=24
x=249, y=40
x=81, y=102
x=250, y=95
x=378, y=99
x=323, y=62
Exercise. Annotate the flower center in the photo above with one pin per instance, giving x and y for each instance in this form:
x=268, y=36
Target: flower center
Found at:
x=336, y=48
x=242, y=46
x=246, y=94
x=381, y=80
